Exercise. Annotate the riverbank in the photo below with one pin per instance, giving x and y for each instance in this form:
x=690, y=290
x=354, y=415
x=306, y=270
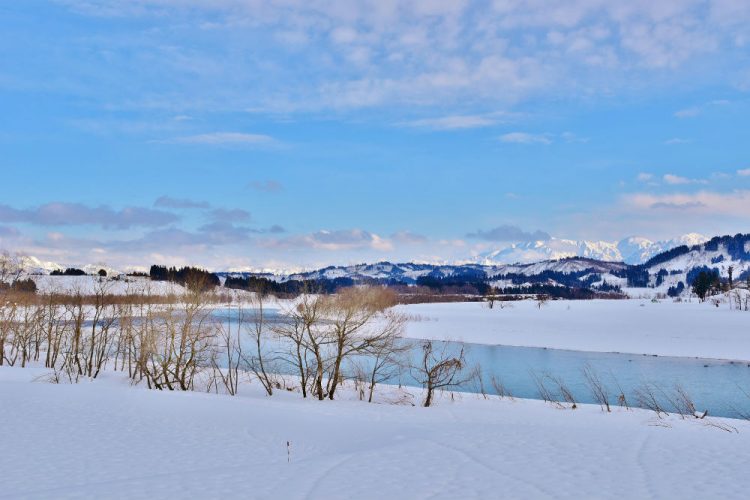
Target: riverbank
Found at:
x=666, y=328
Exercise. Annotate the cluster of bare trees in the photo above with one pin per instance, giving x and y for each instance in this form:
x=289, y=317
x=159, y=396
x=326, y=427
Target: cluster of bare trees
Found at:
x=182, y=345
x=73, y=336
x=79, y=335
x=326, y=336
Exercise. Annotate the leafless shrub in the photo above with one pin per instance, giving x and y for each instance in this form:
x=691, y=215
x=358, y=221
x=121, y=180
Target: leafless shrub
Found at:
x=741, y=413
x=684, y=404
x=440, y=369
x=721, y=425
x=545, y=393
x=359, y=376
x=499, y=387
x=622, y=400
x=564, y=391
x=646, y=397
x=479, y=382
x=598, y=390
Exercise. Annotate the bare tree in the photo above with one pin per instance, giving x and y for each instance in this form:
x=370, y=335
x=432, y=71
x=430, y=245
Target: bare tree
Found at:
x=8, y=311
x=351, y=317
x=316, y=340
x=386, y=351
x=258, y=360
x=440, y=368
x=542, y=300
x=230, y=349
x=490, y=297
x=292, y=331
x=176, y=342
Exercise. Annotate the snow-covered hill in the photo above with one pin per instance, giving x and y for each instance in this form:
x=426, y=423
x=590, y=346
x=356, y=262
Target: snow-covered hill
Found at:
x=632, y=250
x=681, y=264
x=32, y=265
x=409, y=272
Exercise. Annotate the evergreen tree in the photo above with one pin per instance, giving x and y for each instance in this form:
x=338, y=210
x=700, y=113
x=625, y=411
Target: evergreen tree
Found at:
x=703, y=284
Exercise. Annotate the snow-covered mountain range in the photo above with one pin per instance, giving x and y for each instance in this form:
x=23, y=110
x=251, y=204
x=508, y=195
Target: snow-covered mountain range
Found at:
x=600, y=269
x=632, y=250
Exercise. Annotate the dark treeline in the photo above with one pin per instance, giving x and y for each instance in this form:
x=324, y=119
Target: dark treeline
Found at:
x=191, y=277
x=71, y=271
x=554, y=291
x=735, y=245
x=290, y=288
x=455, y=284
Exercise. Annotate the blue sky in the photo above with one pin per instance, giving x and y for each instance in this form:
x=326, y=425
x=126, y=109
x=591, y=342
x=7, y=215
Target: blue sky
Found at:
x=290, y=133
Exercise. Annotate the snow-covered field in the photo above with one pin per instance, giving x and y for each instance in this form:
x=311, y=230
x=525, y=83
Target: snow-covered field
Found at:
x=632, y=326
x=105, y=439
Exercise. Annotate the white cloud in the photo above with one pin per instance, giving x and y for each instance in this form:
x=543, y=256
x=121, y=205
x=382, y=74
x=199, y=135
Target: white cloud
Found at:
x=525, y=138
x=644, y=177
x=694, y=111
x=170, y=202
x=222, y=138
x=744, y=172
x=688, y=112
x=673, y=179
x=345, y=239
x=734, y=203
x=78, y=214
x=437, y=52
x=453, y=122
x=675, y=141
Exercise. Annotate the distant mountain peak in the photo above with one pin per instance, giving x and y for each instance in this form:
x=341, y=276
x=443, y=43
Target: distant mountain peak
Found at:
x=631, y=250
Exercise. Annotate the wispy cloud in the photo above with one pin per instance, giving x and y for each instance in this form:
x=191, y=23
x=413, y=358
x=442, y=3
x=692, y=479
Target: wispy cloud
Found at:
x=688, y=112
x=525, y=138
x=269, y=186
x=673, y=179
x=509, y=233
x=230, y=215
x=694, y=111
x=222, y=139
x=744, y=172
x=644, y=177
x=453, y=122
x=71, y=214
x=344, y=239
x=409, y=53
x=408, y=237
x=170, y=202
x=675, y=141
x=733, y=203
